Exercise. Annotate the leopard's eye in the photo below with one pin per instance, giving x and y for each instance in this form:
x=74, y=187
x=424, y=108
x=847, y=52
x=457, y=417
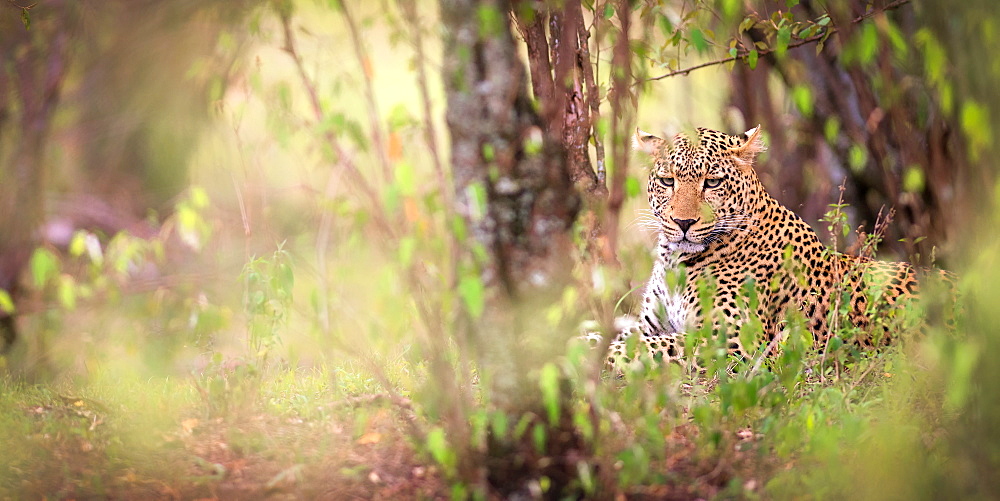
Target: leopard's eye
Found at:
x=713, y=182
x=666, y=182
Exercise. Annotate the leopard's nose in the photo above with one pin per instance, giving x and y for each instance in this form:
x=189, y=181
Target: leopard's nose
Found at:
x=684, y=224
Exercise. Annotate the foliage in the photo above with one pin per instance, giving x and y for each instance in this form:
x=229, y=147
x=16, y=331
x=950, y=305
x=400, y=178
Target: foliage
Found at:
x=313, y=319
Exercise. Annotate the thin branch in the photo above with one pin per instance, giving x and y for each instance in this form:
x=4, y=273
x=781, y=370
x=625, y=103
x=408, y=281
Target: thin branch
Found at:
x=342, y=156
x=369, y=92
x=622, y=116
x=430, y=131
x=594, y=101
x=742, y=56
x=22, y=7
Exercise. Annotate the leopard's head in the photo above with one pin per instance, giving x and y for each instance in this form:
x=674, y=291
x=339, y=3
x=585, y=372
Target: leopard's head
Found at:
x=702, y=190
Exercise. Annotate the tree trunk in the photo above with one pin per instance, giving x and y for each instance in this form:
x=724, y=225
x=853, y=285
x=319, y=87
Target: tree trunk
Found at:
x=511, y=180
x=37, y=77
x=515, y=192
x=885, y=125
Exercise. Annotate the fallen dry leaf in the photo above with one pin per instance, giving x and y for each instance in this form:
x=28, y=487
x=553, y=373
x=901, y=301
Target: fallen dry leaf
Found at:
x=189, y=424
x=371, y=437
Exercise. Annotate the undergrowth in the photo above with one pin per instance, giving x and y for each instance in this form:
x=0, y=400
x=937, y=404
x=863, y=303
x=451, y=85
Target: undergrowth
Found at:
x=252, y=395
x=344, y=345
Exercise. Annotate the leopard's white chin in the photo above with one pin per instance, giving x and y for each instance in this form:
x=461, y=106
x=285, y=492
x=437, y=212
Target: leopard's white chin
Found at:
x=686, y=246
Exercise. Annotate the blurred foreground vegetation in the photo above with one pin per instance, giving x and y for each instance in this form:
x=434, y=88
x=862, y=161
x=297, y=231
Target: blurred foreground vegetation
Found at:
x=250, y=275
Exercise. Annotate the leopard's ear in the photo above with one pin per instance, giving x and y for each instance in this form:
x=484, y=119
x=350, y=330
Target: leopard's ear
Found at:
x=646, y=142
x=747, y=151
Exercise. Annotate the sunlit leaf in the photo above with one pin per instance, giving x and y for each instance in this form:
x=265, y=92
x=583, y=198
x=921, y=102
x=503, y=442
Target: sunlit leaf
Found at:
x=491, y=21
x=960, y=380
x=867, y=43
x=697, y=38
x=632, y=187
x=199, y=197
x=548, y=383
x=831, y=129
x=6, y=302
x=406, y=178
x=473, y=294
x=784, y=36
x=857, y=158
x=78, y=245
x=44, y=266
x=437, y=445
x=476, y=194
x=975, y=120
x=913, y=179
x=752, y=59
x=407, y=246
x=66, y=292
x=602, y=126
x=731, y=7
x=666, y=27
x=803, y=98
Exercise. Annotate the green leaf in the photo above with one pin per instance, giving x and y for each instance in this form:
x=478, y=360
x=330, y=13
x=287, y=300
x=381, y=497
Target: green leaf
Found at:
x=437, y=445
x=199, y=197
x=6, y=302
x=476, y=194
x=473, y=294
x=399, y=118
x=935, y=59
x=900, y=45
x=66, y=292
x=976, y=126
x=913, y=179
x=78, y=245
x=406, y=178
x=963, y=362
x=548, y=382
x=26, y=19
x=697, y=39
x=731, y=7
x=857, y=158
x=44, y=266
x=609, y=11
x=533, y=144
x=407, y=246
x=491, y=22
x=752, y=59
x=831, y=129
x=602, y=126
x=867, y=44
x=538, y=436
x=783, y=38
x=632, y=187
x=803, y=99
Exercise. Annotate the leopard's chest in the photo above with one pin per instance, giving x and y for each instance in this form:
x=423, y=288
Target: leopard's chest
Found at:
x=666, y=301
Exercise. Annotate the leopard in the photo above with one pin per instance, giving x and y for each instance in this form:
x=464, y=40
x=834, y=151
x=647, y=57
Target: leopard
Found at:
x=762, y=265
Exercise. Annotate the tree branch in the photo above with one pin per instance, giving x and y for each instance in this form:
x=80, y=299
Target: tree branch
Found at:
x=805, y=41
x=369, y=92
x=342, y=156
